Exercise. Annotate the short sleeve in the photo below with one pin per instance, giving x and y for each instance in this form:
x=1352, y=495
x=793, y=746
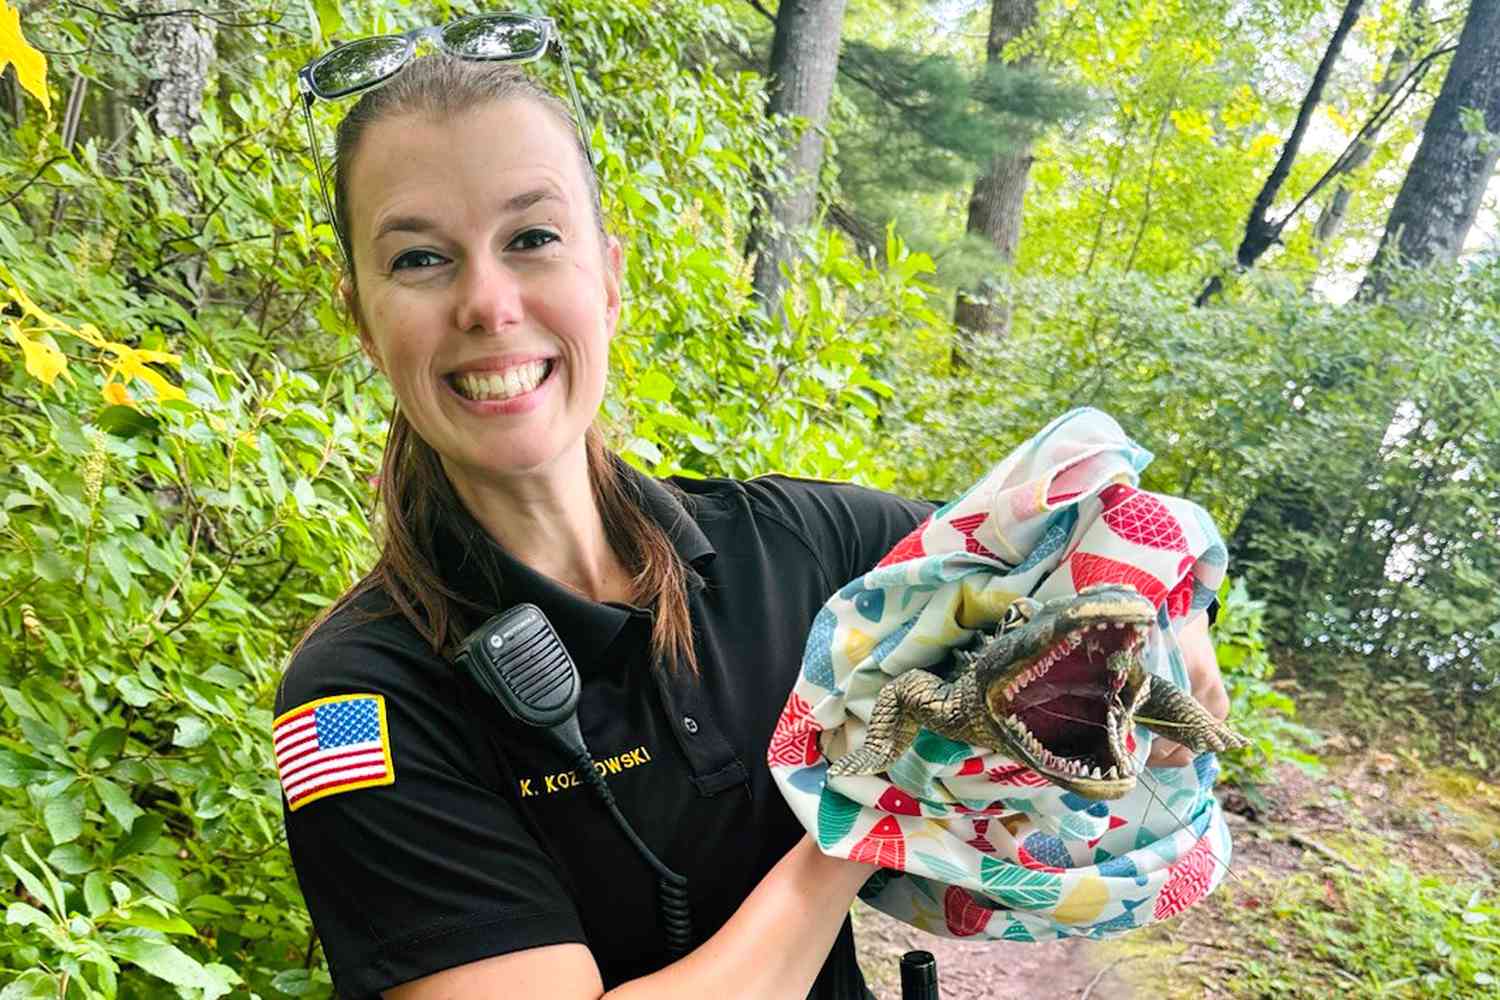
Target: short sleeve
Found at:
x=429, y=870
x=850, y=527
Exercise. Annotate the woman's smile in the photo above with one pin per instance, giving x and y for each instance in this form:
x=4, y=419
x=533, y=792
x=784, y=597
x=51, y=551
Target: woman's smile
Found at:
x=516, y=388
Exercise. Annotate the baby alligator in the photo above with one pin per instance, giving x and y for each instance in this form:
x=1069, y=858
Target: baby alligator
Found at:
x=1058, y=686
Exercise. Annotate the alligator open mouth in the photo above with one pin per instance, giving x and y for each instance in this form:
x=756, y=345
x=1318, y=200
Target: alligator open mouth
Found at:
x=1069, y=707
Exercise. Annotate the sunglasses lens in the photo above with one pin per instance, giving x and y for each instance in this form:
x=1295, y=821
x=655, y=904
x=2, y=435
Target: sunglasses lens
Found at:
x=498, y=37
x=359, y=63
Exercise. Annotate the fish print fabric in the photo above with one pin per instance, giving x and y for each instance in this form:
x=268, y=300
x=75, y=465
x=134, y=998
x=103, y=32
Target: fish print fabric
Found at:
x=969, y=842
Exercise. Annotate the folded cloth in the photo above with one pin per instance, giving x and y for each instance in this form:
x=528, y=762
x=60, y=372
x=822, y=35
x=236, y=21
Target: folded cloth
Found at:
x=969, y=842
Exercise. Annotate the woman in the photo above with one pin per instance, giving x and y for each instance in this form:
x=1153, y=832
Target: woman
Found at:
x=445, y=850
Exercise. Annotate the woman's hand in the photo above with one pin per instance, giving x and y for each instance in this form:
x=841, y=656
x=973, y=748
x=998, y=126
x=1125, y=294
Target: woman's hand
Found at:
x=1207, y=684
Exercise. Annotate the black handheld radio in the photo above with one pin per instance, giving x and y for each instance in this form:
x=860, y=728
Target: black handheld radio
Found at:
x=518, y=659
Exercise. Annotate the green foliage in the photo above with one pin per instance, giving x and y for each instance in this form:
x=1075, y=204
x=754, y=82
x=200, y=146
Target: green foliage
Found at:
x=1258, y=710
x=1387, y=931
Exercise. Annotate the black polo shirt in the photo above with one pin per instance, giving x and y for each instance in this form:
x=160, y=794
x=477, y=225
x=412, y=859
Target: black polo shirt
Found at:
x=486, y=843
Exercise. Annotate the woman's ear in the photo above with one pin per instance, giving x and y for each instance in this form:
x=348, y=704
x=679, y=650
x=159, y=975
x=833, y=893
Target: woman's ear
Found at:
x=351, y=306
x=614, y=263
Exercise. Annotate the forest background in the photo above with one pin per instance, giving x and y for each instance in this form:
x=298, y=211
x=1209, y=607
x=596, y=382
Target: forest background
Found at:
x=879, y=240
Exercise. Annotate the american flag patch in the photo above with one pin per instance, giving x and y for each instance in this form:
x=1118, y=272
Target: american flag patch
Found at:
x=332, y=745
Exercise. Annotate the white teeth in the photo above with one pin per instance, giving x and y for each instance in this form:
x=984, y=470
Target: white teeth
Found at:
x=494, y=386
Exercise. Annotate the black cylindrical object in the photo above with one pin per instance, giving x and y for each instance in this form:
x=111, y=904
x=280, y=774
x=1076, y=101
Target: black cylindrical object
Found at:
x=919, y=976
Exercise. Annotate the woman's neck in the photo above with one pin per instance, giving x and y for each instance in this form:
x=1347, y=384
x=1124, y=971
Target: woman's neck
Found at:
x=552, y=523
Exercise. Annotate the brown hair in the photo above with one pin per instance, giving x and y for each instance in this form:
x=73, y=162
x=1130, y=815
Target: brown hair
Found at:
x=415, y=493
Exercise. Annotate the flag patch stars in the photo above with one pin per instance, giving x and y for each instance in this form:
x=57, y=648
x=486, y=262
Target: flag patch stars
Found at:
x=332, y=745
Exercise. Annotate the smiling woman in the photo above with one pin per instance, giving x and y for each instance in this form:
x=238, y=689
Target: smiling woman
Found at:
x=461, y=858
x=443, y=848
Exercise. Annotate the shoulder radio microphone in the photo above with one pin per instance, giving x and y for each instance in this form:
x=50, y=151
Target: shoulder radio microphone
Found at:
x=517, y=658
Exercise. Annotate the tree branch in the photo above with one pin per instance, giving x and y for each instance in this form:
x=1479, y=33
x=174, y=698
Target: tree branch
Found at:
x=765, y=13
x=1259, y=233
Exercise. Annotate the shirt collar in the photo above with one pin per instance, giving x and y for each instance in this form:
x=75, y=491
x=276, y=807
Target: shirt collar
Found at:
x=481, y=570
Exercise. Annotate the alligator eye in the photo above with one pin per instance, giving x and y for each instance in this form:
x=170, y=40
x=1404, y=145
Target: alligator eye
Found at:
x=1019, y=613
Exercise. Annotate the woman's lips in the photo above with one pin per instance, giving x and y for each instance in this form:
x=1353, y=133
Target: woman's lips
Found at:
x=521, y=403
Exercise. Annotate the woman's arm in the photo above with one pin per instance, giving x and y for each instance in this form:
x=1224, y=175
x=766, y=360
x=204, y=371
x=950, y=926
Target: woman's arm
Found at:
x=773, y=947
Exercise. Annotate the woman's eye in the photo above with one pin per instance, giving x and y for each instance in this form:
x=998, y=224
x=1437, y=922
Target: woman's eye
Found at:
x=532, y=239
x=416, y=258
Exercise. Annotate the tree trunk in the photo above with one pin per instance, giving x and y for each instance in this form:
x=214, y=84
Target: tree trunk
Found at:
x=1439, y=199
x=804, y=60
x=995, y=206
x=1332, y=218
x=176, y=53
x=1260, y=232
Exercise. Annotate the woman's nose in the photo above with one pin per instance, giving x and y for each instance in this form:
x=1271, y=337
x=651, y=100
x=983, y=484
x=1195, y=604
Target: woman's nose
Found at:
x=489, y=297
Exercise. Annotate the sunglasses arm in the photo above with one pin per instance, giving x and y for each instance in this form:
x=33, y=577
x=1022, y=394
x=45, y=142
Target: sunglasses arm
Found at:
x=585, y=130
x=312, y=140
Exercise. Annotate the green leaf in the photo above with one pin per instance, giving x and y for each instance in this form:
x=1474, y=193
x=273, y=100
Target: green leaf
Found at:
x=159, y=882
x=29, y=880
x=33, y=985
x=143, y=833
x=135, y=694
x=191, y=731
x=26, y=915
x=41, y=736
x=114, y=562
x=160, y=959
x=71, y=859
x=124, y=421
x=105, y=746
x=64, y=817
x=117, y=803
x=17, y=770
x=96, y=894
x=654, y=384
x=153, y=921
x=270, y=465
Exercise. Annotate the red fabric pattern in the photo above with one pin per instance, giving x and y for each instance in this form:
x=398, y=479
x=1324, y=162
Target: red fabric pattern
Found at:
x=967, y=526
x=1141, y=518
x=964, y=917
x=1089, y=569
x=908, y=548
x=1187, y=883
x=884, y=846
x=795, y=741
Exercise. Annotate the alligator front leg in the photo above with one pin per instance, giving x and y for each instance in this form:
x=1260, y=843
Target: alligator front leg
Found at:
x=1175, y=714
x=904, y=705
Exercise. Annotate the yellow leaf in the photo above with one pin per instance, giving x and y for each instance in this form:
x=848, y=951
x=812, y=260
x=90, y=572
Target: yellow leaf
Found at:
x=1194, y=123
x=31, y=65
x=116, y=393
x=164, y=389
x=1263, y=144
x=90, y=332
x=43, y=360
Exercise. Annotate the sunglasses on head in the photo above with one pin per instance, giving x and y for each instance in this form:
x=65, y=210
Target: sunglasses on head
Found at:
x=369, y=62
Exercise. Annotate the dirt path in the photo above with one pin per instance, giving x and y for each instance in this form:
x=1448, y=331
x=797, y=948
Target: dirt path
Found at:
x=969, y=970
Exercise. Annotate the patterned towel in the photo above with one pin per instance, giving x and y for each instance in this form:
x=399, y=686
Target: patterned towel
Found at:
x=970, y=842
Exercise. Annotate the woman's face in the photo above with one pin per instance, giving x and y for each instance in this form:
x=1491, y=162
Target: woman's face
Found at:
x=486, y=293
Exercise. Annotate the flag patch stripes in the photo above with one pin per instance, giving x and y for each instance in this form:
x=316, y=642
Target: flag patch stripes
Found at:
x=332, y=745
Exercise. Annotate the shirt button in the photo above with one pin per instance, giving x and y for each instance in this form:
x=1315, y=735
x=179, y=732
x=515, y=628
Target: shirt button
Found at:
x=690, y=724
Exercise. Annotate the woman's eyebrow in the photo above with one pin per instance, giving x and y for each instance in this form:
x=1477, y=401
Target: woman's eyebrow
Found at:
x=421, y=224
